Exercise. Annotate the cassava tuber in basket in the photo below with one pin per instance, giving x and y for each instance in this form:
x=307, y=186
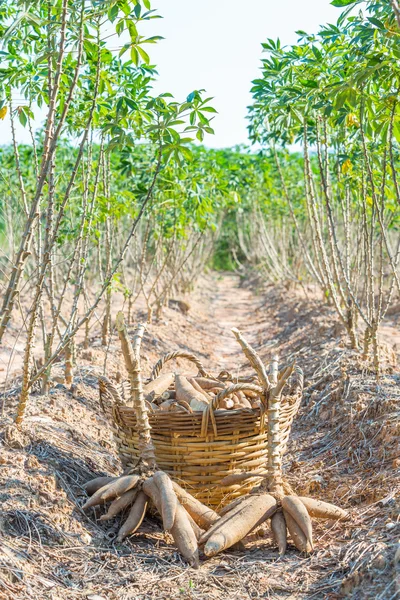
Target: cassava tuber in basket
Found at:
x=200, y=448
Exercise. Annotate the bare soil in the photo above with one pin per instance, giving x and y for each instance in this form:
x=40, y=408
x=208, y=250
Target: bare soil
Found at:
x=344, y=448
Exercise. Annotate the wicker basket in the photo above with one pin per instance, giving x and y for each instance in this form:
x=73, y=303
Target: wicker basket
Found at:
x=199, y=449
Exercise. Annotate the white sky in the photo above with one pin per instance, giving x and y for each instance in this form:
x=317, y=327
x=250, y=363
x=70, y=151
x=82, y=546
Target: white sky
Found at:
x=216, y=45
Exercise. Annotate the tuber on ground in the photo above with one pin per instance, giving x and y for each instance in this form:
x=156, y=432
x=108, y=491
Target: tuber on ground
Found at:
x=135, y=517
x=95, y=484
x=119, y=504
x=238, y=523
x=278, y=528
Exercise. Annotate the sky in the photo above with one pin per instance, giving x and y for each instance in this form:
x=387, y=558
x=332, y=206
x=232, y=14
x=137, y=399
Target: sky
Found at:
x=216, y=45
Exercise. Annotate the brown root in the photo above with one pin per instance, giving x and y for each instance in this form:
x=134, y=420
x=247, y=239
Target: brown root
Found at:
x=296, y=509
x=200, y=513
x=182, y=531
x=184, y=537
x=209, y=384
x=295, y=518
x=296, y=533
x=226, y=404
x=94, y=485
x=198, y=532
x=168, y=498
x=235, y=508
x=278, y=527
x=185, y=391
x=231, y=505
x=197, y=387
x=185, y=523
x=120, y=504
x=238, y=523
x=135, y=517
x=96, y=498
x=158, y=386
x=120, y=486
x=323, y=510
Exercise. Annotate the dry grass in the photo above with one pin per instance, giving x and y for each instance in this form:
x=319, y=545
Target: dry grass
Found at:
x=344, y=446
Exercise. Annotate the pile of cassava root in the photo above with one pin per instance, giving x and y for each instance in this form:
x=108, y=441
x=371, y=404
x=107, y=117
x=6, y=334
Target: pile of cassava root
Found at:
x=191, y=523
x=177, y=393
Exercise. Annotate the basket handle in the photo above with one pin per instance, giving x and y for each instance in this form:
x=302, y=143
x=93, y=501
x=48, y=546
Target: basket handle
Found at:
x=297, y=381
x=208, y=414
x=178, y=354
x=226, y=376
x=109, y=397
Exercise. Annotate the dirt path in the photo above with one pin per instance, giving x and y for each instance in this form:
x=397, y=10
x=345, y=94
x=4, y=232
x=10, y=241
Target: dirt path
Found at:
x=231, y=306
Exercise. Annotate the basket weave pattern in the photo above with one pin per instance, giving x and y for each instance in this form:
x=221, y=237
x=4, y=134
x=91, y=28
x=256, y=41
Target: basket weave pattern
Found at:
x=197, y=450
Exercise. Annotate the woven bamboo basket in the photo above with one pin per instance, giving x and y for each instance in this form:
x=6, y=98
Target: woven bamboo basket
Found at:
x=197, y=450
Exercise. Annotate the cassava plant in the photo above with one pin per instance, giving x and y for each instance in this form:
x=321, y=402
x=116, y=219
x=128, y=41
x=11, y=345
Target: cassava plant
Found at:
x=76, y=209
x=336, y=94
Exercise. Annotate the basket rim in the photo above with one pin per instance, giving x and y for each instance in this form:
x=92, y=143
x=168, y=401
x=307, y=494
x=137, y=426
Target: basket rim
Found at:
x=236, y=419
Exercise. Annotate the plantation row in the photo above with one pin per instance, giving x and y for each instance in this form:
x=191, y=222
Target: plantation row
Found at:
x=337, y=94
x=112, y=196
x=109, y=155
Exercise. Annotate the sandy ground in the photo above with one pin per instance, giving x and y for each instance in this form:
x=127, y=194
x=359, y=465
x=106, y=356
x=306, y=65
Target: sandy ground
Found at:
x=344, y=448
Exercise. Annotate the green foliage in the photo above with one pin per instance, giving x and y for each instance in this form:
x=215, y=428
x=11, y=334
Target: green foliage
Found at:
x=344, y=69
x=112, y=102
x=339, y=90
x=336, y=95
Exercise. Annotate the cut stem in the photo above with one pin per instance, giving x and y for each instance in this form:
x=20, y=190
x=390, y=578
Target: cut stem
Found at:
x=132, y=362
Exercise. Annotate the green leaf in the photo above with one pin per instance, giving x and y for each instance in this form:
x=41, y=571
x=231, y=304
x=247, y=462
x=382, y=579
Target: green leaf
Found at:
x=133, y=105
x=113, y=13
x=144, y=55
x=208, y=109
x=119, y=26
x=133, y=32
x=396, y=131
x=340, y=3
x=124, y=6
x=186, y=153
x=316, y=52
x=22, y=117
x=134, y=55
x=310, y=83
x=202, y=118
x=376, y=22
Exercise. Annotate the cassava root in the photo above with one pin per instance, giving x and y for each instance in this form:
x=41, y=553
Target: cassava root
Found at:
x=183, y=516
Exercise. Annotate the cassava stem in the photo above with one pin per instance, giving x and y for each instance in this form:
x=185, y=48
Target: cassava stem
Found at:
x=272, y=389
x=132, y=362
